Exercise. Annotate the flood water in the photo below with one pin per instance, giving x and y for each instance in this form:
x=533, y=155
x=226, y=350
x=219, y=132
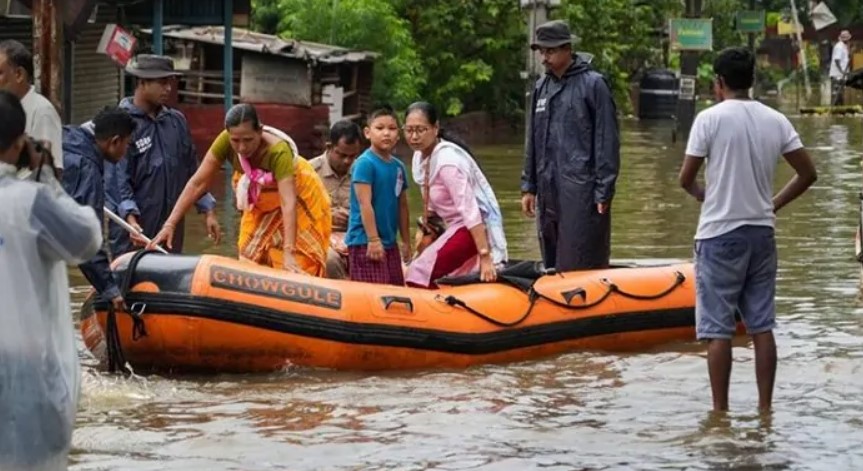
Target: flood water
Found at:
x=577, y=411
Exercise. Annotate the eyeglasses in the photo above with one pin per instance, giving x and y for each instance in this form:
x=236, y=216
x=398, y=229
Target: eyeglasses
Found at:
x=419, y=130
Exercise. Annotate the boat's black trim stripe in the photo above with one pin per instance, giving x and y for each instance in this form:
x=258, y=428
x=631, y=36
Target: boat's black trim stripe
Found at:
x=403, y=336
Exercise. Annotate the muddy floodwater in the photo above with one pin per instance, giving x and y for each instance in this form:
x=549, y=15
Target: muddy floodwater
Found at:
x=647, y=410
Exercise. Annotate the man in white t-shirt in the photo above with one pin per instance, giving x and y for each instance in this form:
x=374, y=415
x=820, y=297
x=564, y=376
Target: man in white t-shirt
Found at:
x=735, y=250
x=43, y=121
x=840, y=65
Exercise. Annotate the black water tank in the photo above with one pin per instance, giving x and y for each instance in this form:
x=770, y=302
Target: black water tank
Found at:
x=657, y=96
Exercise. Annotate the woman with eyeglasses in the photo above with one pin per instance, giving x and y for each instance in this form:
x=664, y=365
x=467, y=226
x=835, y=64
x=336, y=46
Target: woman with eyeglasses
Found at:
x=468, y=235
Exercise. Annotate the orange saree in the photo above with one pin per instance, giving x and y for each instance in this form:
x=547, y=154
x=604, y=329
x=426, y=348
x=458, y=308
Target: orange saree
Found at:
x=260, y=238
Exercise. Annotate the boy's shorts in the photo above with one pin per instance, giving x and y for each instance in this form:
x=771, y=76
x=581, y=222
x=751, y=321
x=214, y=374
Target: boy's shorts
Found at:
x=734, y=272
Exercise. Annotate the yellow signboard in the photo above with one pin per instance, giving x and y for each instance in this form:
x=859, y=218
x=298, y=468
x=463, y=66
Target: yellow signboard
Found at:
x=783, y=27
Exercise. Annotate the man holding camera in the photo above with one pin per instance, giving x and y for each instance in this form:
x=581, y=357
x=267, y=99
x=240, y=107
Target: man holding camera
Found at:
x=85, y=150
x=41, y=229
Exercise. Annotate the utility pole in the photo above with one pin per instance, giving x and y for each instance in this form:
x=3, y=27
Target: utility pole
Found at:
x=537, y=14
x=752, y=35
x=48, y=50
x=228, y=54
x=688, y=79
x=751, y=38
x=800, y=45
x=158, y=25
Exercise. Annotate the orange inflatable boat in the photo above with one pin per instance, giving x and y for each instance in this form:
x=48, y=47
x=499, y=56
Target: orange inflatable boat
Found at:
x=216, y=314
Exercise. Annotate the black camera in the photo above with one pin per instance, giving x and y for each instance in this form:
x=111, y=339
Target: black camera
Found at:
x=24, y=158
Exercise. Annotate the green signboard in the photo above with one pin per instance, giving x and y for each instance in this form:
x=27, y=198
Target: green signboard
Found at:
x=750, y=21
x=691, y=34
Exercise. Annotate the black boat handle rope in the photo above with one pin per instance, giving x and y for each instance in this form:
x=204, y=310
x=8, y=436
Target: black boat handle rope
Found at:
x=679, y=278
x=454, y=301
x=116, y=359
x=534, y=295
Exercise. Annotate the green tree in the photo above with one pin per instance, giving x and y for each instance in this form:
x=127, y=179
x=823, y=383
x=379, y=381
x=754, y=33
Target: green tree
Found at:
x=360, y=24
x=266, y=16
x=473, y=52
x=625, y=37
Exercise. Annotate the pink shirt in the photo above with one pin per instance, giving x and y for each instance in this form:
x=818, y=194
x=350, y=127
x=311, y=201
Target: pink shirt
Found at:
x=452, y=198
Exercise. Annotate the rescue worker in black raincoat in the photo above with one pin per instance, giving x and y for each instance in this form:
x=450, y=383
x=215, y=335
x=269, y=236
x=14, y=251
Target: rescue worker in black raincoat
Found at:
x=87, y=149
x=572, y=156
x=146, y=183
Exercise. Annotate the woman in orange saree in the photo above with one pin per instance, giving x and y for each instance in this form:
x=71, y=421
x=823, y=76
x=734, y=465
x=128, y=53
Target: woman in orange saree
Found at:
x=260, y=238
x=286, y=208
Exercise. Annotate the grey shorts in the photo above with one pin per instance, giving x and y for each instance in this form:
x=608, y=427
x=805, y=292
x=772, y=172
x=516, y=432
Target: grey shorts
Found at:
x=735, y=272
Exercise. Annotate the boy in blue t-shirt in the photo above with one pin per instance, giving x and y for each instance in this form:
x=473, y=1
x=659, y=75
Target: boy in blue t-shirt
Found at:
x=379, y=206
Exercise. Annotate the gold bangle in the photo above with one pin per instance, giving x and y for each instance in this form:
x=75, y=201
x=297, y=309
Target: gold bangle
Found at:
x=169, y=225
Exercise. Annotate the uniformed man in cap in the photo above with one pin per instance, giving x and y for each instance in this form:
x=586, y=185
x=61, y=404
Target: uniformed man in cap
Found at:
x=572, y=156
x=146, y=183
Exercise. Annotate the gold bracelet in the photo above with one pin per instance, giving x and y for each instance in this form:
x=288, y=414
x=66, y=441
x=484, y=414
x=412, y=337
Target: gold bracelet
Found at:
x=169, y=225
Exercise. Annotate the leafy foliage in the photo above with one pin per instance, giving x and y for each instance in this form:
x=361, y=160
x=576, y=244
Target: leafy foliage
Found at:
x=361, y=24
x=467, y=55
x=625, y=36
x=473, y=51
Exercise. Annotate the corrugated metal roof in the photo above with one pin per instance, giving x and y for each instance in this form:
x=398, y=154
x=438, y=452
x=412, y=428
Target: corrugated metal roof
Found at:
x=268, y=44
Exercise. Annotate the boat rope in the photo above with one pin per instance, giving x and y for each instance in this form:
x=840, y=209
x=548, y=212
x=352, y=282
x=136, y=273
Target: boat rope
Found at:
x=533, y=295
x=116, y=359
x=454, y=301
x=679, y=278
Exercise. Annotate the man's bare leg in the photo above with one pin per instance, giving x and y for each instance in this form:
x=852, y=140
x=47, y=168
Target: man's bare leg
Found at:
x=765, y=368
x=719, y=368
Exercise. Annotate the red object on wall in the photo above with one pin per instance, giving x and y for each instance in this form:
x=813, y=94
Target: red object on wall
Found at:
x=117, y=43
x=306, y=126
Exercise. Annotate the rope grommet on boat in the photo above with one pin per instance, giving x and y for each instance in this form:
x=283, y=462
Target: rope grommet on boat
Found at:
x=116, y=359
x=138, y=328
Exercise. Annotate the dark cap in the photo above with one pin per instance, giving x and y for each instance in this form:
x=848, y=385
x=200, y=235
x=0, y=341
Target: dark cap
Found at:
x=149, y=66
x=552, y=34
